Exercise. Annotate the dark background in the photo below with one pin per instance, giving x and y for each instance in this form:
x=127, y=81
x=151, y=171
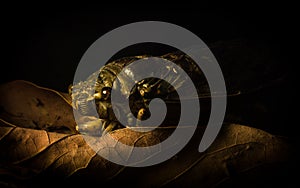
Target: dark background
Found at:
x=44, y=43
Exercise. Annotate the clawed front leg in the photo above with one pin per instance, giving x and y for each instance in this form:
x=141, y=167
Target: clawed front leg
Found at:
x=109, y=126
x=140, y=116
x=90, y=125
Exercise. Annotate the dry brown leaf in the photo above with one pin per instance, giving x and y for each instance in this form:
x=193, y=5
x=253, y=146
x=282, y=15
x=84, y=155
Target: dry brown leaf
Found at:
x=28, y=105
x=31, y=157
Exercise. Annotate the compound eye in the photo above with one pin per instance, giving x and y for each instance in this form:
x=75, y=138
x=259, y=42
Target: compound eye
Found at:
x=70, y=89
x=144, y=90
x=105, y=92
